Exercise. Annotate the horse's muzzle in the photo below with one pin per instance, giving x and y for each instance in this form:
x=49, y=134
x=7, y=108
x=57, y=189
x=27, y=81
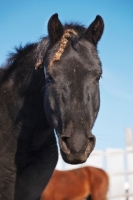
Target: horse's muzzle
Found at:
x=76, y=150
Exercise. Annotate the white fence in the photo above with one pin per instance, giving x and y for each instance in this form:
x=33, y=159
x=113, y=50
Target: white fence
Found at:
x=119, y=165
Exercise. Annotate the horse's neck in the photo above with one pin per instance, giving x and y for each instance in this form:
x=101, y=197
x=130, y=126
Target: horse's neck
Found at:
x=21, y=99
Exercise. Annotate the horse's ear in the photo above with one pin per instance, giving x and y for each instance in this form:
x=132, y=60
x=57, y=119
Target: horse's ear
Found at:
x=55, y=28
x=95, y=30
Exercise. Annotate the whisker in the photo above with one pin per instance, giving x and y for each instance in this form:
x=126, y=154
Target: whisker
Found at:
x=45, y=86
x=53, y=145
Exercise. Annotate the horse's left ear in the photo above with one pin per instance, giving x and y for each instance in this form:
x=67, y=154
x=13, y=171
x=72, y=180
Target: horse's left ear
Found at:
x=55, y=28
x=95, y=30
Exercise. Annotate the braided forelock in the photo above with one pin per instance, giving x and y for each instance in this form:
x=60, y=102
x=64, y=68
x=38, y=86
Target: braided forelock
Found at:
x=63, y=43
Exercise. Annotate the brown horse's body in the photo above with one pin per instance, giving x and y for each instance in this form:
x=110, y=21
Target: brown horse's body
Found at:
x=78, y=184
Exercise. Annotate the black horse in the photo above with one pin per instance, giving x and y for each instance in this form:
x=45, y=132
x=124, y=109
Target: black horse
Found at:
x=52, y=84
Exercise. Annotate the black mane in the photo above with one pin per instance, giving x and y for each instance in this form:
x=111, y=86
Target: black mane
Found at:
x=30, y=50
x=78, y=27
x=21, y=56
x=20, y=52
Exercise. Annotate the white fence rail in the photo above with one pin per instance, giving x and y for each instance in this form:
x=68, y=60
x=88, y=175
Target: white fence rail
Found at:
x=119, y=165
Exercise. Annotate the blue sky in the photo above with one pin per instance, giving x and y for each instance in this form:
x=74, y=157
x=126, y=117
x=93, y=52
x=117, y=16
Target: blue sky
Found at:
x=26, y=21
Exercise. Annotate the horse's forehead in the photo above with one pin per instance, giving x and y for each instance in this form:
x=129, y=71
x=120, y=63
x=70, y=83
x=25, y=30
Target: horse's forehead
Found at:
x=73, y=49
x=77, y=61
x=83, y=53
x=72, y=76
x=74, y=72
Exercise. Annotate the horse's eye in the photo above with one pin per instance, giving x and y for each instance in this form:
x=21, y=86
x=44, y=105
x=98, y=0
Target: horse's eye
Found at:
x=49, y=78
x=98, y=77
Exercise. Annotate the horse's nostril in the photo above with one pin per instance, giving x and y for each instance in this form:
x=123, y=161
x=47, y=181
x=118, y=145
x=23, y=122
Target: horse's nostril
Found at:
x=92, y=139
x=63, y=145
x=64, y=139
x=91, y=144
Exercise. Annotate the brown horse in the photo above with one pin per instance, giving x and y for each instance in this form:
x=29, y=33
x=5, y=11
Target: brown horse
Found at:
x=88, y=183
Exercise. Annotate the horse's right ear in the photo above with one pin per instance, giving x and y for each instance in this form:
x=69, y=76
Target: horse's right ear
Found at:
x=55, y=28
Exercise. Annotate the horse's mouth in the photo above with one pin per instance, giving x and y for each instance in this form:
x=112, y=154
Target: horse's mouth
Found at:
x=74, y=158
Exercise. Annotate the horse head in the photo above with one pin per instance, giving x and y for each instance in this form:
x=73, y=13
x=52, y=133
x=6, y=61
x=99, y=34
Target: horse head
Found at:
x=72, y=72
